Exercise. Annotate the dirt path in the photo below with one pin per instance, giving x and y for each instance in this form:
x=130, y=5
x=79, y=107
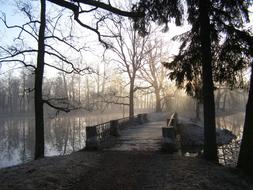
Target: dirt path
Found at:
x=121, y=170
x=135, y=164
x=157, y=171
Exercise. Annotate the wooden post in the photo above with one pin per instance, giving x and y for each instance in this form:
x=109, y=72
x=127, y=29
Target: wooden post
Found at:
x=169, y=140
x=114, y=128
x=145, y=117
x=172, y=122
x=175, y=121
x=167, y=122
x=140, y=118
x=91, y=138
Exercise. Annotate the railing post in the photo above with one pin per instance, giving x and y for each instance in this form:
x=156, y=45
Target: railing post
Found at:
x=167, y=122
x=140, y=118
x=175, y=121
x=176, y=118
x=145, y=117
x=169, y=134
x=114, y=128
x=91, y=138
x=169, y=140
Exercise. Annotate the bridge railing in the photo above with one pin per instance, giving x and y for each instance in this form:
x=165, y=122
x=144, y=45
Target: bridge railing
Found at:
x=170, y=134
x=97, y=134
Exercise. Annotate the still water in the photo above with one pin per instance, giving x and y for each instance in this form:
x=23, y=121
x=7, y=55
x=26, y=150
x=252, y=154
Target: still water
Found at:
x=228, y=154
x=63, y=135
x=233, y=123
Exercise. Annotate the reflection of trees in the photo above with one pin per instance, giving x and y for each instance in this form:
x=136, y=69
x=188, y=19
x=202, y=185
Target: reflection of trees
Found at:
x=23, y=155
x=228, y=154
x=230, y=100
x=62, y=134
x=16, y=140
x=13, y=137
x=66, y=132
x=57, y=132
x=73, y=127
x=66, y=136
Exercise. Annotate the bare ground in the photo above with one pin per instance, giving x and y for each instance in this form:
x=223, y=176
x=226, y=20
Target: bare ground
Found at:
x=121, y=170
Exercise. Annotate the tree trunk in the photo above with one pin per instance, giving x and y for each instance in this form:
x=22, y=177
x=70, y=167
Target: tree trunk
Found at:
x=79, y=90
x=88, y=105
x=197, y=110
x=217, y=100
x=131, y=99
x=66, y=93
x=246, y=152
x=224, y=101
x=158, y=107
x=39, y=119
x=210, y=146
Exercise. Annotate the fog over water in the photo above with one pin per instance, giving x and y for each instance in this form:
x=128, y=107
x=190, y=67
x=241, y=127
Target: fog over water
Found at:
x=63, y=135
x=66, y=133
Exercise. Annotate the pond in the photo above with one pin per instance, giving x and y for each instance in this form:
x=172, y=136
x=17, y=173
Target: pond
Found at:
x=230, y=136
x=63, y=135
x=228, y=154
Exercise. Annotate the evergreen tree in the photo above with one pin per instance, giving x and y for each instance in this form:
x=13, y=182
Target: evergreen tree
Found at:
x=246, y=150
x=211, y=20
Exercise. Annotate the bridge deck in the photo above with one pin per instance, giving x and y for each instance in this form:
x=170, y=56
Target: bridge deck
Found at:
x=145, y=137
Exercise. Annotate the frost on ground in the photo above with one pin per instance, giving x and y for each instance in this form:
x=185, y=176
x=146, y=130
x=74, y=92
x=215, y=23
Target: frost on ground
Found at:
x=121, y=170
x=57, y=172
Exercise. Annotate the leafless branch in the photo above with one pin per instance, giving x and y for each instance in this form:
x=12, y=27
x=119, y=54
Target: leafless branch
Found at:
x=22, y=28
x=142, y=88
x=98, y=4
x=64, y=42
x=115, y=102
x=87, y=70
x=66, y=106
x=17, y=60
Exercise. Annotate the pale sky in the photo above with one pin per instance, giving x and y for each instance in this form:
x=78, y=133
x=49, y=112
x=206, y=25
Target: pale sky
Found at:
x=90, y=57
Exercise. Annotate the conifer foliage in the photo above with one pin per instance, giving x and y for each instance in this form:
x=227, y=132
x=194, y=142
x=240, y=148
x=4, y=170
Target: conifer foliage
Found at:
x=212, y=45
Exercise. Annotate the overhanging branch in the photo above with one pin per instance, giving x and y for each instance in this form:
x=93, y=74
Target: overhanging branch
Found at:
x=97, y=4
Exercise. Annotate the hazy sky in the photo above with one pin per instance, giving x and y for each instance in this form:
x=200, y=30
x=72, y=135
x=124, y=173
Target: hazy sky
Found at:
x=95, y=53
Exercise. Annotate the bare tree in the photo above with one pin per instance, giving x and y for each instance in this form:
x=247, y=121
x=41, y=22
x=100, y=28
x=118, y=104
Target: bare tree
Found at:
x=154, y=72
x=47, y=36
x=129, y=49
x=14, y=54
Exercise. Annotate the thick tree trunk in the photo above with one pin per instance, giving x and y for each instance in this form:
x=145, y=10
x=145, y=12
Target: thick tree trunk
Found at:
x=158, y=107
x=210, y=146
x=131, y=99
x=246, y=152
x=39, y=119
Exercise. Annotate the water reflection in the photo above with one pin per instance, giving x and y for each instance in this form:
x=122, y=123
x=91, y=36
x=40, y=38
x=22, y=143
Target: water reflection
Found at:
x=228, y=154
x=63, y=135
x=66, y=134
x=233, y=122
